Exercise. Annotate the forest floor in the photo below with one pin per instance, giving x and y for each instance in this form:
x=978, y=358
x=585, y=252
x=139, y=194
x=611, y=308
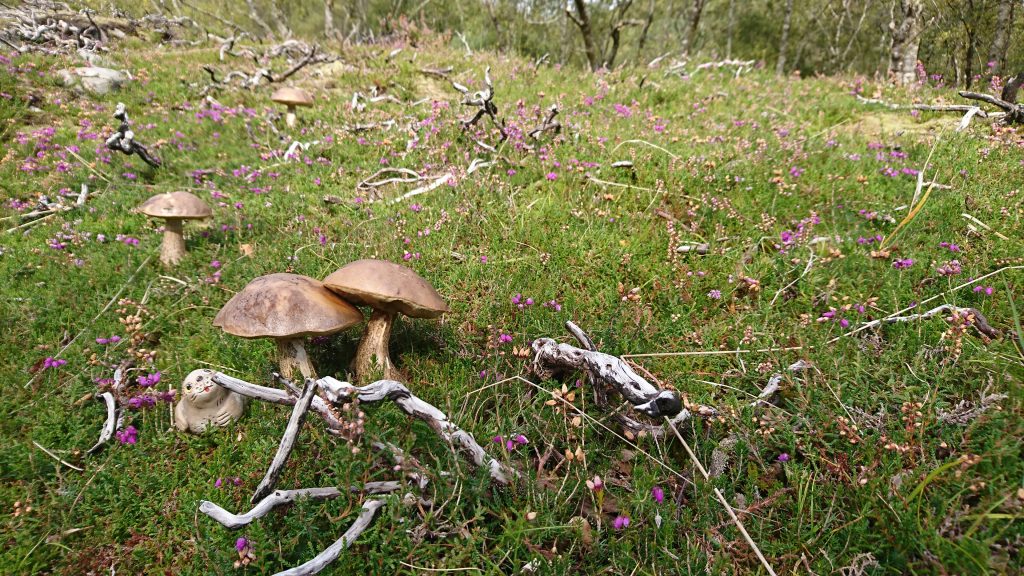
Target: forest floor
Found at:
x=898, y=451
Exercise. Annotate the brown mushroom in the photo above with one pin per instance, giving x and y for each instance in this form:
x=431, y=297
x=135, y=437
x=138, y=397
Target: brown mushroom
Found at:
x=291, y=97
x=174, y=208
x=287, y=308
x=389, y=289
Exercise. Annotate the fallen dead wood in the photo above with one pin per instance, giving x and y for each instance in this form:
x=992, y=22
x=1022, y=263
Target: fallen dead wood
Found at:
x=264, y=506
x=252, y=79
x=484, y=101
x=281, y=497
x=124, y=139
x=958, y=108
x=318, y=563
x=398, y=393
x=276, y=396
x=291, y=433
x=551, y=358
x=1014, y=112
x=109, y=425
x=549, y=124
x=338, y=391
x=972, y=315
x=721, y=498
x=633, y=428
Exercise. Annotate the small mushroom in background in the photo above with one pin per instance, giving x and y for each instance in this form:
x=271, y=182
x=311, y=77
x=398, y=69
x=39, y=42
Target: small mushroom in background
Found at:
x=389, y=289
x=287, y=308
x=291, y=97
x=203, y=403
x=174, y=208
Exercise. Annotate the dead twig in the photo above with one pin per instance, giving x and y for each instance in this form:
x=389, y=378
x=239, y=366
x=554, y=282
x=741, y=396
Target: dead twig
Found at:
x=722, y=500
x=318, y=563
x=124, y=139
x=397, y=392
x=973, y=316
x=284, y=450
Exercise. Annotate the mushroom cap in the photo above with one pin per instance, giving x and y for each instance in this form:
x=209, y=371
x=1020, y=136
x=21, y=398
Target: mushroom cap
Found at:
x=285, y=306
x=292, y=97
x=175, y=205
x=386, y=286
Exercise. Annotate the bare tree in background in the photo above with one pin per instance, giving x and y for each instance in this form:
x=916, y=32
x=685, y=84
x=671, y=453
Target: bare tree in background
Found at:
x=905, y=27
x=329, y=30
x=582, y=21
x=254, y=15
x=598, y=57
x=846, y=25
x=730, y=28
x=966, y=14
x=787, y=20
x=619, y=23
x=693, y=23
x=280, y=21
x=1001, y=38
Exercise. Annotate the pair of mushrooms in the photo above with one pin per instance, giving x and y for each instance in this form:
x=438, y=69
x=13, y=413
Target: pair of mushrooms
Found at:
x=291, y=307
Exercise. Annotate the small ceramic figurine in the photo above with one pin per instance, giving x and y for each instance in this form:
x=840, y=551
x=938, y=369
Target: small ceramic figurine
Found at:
x=204, y=403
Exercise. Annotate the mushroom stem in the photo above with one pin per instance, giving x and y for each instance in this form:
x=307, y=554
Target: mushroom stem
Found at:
x=173, y=248
x=289, y=118
x=291, y=356
x=372, y=357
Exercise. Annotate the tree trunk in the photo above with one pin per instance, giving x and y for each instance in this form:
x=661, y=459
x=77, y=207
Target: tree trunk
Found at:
x=582, y=21
x=254, y=15
x=972, y=50
x=280, y=21
x=906, y=39
x=730, y=28
x=1000, y=41
x=647, y=26
x=780, y=64
x=693, y=24
x=329, y=30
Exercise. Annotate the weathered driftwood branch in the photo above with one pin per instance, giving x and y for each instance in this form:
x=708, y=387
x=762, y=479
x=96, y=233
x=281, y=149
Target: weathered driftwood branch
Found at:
x=275, y=499
x=484, y=100
x=958, y=108
x=276, y=396
x=1014, y=112
x=124, y=139
x=291, y=433
x=338, y=391
x=769, y=390
x=632, y=427
x=281, y=497
x=318, y=563
x=109, y=426
x=549, y=124
x=551, y=357
x=976, y=319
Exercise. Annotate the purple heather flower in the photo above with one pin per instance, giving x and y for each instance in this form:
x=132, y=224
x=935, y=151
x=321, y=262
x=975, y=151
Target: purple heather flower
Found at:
x=621, y=522
x=658, y=494
x=241, y=544
x=715, y=294
x=784, y=457
x=129, y=435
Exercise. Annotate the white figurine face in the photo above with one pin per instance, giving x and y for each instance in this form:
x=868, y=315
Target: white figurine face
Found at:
x=199, y=388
